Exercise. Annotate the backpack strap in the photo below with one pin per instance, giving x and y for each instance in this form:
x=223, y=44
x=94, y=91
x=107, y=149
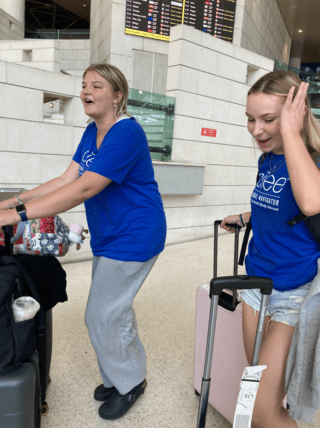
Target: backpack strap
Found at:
x=249, y=224
x=312, y=223
x=245, y=242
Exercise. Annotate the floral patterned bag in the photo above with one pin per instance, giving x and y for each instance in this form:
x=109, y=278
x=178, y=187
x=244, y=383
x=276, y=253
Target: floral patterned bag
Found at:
x=45, y=236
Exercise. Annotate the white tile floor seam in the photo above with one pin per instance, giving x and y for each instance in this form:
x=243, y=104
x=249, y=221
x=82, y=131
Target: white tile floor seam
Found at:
x=165, y=308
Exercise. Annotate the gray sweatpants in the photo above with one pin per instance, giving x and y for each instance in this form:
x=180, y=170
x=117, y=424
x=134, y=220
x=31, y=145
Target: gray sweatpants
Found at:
x=112, y=324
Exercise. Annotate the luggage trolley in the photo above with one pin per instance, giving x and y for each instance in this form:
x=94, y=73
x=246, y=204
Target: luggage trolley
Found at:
x=217, y=296
x=23, y=391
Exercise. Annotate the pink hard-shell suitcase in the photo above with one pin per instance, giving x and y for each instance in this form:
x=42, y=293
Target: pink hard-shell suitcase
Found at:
x=219, y=356
x=229, y=359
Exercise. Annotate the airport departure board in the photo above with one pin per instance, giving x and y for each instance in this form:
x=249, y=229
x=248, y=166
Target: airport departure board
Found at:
x=153, y=18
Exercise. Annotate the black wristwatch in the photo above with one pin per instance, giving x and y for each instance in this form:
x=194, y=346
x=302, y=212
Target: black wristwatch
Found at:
x=21, y=210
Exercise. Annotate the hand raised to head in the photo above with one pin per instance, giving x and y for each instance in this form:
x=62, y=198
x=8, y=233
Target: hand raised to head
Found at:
x=294, y=110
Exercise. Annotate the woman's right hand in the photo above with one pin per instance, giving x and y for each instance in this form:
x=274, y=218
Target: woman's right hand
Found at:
x=234, y=218
x=8, y=203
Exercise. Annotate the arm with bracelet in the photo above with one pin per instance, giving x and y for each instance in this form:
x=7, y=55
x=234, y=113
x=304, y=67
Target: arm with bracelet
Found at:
x=18, y=201
x=240, y=219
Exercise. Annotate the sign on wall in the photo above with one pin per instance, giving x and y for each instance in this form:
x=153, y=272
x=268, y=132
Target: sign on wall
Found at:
x=154, y=18
x=209, y=132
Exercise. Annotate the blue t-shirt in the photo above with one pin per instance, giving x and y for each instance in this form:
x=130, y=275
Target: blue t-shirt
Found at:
x=287, y=255
x=126, y=219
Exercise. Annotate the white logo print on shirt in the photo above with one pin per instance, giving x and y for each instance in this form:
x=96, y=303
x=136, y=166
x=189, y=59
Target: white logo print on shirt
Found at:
x=268, y=183
x=86, y=160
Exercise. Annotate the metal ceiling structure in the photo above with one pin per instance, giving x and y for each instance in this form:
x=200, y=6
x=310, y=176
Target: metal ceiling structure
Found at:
x=57, y=14
x=78, y=7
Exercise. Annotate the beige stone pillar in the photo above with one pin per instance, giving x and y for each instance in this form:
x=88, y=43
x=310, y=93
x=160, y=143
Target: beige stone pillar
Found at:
x=296, y=50
x=15, y=8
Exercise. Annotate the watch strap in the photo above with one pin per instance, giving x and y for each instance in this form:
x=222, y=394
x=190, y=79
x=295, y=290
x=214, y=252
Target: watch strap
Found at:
x=21, y=210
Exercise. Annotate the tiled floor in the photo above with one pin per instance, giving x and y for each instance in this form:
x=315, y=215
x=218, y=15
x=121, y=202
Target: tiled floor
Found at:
x=165, y=308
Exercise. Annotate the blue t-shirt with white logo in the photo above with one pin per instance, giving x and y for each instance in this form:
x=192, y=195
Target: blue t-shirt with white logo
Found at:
x=126, y=219
x=287, y=255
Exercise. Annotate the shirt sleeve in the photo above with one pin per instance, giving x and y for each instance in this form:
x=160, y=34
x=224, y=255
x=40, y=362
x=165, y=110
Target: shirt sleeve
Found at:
x=119, y=151
x=78, y=154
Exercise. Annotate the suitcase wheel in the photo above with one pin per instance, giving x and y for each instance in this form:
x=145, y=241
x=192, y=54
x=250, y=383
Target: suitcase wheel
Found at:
x=44, y=408
x=197, y=393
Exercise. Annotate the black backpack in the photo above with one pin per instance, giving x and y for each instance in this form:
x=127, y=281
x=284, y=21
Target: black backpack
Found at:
x=313, y=222
x=18, y=340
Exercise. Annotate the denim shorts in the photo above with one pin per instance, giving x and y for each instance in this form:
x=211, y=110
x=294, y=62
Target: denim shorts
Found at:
x=283, y=306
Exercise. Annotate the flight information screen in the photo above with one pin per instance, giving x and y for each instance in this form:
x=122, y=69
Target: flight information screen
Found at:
x=151, y=18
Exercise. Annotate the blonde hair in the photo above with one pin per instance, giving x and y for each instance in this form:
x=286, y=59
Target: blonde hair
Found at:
x=279, y=83
x=117, y=81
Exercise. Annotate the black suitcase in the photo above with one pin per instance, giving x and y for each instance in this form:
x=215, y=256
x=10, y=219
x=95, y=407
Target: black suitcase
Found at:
x=23, y=392
x=20, y=405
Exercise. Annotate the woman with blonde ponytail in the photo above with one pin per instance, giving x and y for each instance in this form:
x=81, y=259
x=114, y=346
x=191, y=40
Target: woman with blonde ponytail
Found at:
x=280, y=120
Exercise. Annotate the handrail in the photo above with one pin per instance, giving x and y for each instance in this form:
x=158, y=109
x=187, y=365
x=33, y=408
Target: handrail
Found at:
x=169, y=109
x=57, y=34
x=166, y=150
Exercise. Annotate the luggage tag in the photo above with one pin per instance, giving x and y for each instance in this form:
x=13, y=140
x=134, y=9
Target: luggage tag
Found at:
x=248, y=391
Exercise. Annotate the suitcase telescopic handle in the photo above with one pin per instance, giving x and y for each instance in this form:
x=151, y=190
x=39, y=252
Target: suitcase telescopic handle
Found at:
x=240, y=282
x=234, y=225
x=226, y=300
x=8, y=234
x=215, y=247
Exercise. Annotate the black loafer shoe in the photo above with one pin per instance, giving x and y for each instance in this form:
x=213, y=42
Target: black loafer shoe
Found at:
x=119, y=404
x=102, y=393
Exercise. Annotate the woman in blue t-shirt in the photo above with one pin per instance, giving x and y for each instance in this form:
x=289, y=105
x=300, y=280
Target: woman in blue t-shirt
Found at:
x=112, y=173
x=280, y=120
